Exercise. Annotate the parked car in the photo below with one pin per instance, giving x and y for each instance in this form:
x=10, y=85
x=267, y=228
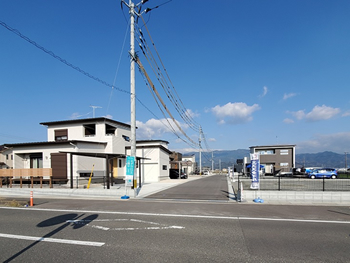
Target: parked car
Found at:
x=174, y=174
x=323, y=173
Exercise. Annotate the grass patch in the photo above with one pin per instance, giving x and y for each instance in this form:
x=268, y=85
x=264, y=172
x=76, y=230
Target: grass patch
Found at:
x=13, y=203
x=343, y=175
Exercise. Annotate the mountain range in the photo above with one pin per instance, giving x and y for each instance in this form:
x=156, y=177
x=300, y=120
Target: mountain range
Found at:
x=228, y=158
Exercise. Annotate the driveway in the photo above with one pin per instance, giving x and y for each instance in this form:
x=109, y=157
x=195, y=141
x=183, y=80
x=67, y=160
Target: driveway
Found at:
x=212, y=188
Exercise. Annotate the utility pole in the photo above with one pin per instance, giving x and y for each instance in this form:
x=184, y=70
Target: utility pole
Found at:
x=132, y=89
x=346, y=161
x=200, y=150
x=132, y=13
x=212, y=161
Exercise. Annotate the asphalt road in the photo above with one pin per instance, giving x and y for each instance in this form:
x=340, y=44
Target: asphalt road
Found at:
x=207, y=188
x=61, y=230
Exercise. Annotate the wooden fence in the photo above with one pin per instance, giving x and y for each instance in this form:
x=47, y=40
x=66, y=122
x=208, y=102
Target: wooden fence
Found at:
x=26, y=174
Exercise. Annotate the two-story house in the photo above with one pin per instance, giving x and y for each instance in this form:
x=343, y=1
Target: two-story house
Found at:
x=77, y=148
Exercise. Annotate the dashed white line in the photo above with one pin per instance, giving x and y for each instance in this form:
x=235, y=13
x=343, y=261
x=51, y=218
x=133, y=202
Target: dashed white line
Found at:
x=54, y=240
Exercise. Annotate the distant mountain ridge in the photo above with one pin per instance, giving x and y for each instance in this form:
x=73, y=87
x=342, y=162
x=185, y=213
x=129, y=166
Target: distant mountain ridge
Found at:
x=228, y=158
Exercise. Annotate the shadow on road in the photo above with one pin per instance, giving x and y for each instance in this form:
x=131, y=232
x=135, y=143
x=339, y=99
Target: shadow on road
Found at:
x=65, y=220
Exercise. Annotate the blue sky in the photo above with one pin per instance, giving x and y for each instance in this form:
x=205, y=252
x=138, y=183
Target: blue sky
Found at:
x=248, y=72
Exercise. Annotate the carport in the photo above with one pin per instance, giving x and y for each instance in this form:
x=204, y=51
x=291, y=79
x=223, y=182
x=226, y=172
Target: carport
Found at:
x=108, y=157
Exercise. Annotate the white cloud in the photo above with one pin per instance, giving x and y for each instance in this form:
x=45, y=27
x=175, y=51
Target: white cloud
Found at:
x=287, y=120
x=322, y=113
x=299, y=115
x=265, y=90
x=337, y=142
x=155, y=129
x=318, y=113
x=192, y=114
x=345, y=114
x=289, y=95
x=234, y=113
x=76, y=115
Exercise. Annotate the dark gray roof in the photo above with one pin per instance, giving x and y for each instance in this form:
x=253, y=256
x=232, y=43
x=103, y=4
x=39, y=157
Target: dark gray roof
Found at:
x=89, y=120
x=151, y=141
x=26, y=144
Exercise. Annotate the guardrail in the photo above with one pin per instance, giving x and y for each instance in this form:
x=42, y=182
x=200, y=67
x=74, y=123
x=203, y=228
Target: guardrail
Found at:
x=25, y=174
x=299, y=184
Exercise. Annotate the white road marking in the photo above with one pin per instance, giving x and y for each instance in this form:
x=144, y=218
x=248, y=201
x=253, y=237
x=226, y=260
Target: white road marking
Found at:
x=183, y=216
x=92, y=223
x=54, y=240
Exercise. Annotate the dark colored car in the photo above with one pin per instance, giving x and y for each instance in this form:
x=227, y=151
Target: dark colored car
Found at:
x=324, y=173
x=174, y=174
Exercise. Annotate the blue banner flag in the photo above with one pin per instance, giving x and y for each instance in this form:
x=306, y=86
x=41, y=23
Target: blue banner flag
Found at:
x=255, y=167
x=130, y=169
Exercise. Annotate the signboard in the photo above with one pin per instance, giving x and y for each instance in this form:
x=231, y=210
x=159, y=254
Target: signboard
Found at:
x=130, y=169
x=255, y=167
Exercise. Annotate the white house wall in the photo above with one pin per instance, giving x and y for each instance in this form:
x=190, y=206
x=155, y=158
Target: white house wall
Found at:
x=115, y=143
x=152, y=165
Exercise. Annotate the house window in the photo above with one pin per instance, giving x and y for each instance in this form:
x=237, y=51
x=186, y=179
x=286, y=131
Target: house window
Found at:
x=264, y=152
x=165, y=167
x=36, y=160
x=284, y=164
x=61, y=135
x=126, y=138
x=90, y=130
x=86, y=175
x=110, y=130
x=284, y=152
x=7, y=156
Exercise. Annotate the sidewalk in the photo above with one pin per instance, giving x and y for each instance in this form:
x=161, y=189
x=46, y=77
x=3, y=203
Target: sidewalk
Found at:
x=96, y=191
x=116, y=192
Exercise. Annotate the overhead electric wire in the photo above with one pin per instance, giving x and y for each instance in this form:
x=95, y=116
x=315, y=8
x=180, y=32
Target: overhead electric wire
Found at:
x=170, y=127
x=138, y=62
x=156, y=70
x=58, y=57
x=178, y=104
x=117, y=70
x=185, y=116
x=149, y=57
x=153, y=90
x=168, y=95
x=69, y=64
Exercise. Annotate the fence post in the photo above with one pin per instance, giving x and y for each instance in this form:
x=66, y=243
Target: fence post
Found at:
x=279, y=183
x=323, y=184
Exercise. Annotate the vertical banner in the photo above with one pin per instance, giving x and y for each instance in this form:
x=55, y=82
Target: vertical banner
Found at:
x=255, y=166
x=130, y=169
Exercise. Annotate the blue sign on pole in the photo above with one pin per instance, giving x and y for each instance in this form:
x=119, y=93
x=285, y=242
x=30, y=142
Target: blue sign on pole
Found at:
x=255, y=167
x=130, y=169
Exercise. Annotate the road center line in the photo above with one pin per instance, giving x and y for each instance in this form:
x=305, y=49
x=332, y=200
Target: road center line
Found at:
x=184, y=216
x=54, y=240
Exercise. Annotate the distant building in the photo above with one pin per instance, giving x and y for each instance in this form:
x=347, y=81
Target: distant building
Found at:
x=175, y=160
x=189, y=163
x=275, y=158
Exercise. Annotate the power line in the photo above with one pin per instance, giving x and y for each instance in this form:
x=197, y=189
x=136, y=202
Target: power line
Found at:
x=138, y=62
x=69, y=64
x=170, y=89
